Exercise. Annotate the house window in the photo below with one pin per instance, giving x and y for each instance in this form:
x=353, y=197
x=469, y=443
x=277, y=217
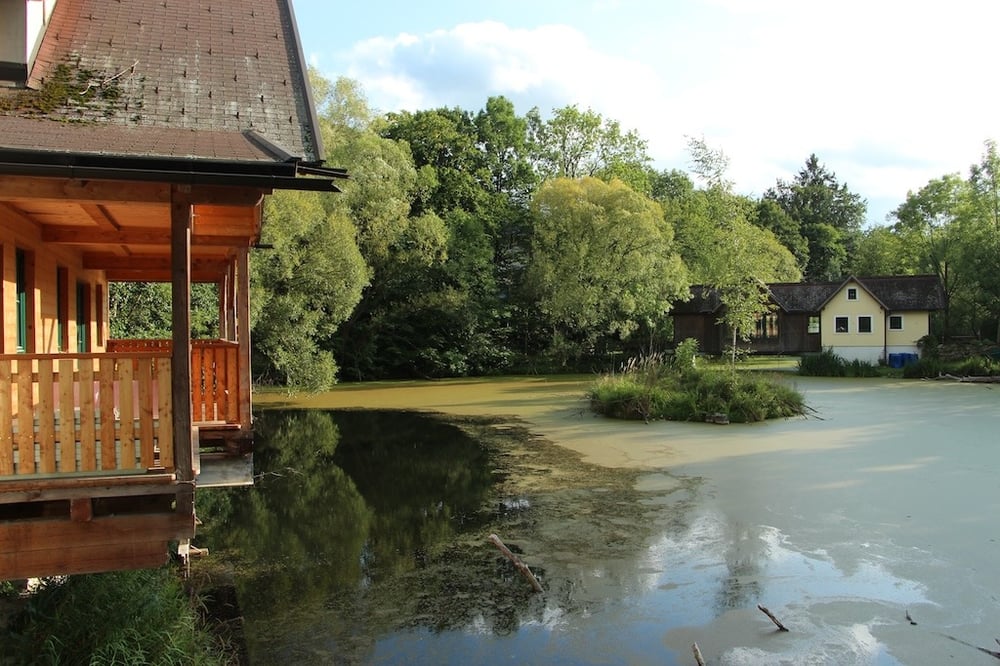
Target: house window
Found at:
x=813, y=324
x=82, y=318
x=62, y=309
x=895, y=322
x=767, y=326
x=864, y=324
x=25, y=309
x=852, y=294
x=841, y=325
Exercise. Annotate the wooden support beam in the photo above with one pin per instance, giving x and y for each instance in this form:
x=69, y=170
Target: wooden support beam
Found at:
x=243, y=335
x=221, y=195
x=152, y=262
x=20, y=188
x=100, y=215
x=180, y=386
x=153, y=236
x=31, y=548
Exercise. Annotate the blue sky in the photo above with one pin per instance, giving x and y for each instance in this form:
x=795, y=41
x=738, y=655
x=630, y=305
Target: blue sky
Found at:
x=888, y=94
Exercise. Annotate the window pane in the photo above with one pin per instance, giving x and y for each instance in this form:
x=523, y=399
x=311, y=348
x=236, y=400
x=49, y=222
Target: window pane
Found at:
x=842, y=326
x=896, y=323
x=864, y=324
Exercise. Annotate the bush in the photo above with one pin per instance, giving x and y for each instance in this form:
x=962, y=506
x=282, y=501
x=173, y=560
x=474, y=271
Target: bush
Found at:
x=828, y=364
x=650, y=390
x=127, y=617
x=823, y=364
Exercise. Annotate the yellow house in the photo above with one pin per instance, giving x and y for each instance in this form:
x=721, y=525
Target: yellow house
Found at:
x=870, y=319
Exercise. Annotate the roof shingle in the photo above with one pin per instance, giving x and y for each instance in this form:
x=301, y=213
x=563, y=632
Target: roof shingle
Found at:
x=206, y=67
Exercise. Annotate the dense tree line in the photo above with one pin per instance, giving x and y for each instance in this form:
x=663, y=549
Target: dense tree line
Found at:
x=470, y=243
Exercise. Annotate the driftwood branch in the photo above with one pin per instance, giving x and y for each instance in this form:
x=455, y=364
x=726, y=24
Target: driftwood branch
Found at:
x=967, y=379
x=698, y=659
x=521, y=566
x=993, y=653
x=777, y=622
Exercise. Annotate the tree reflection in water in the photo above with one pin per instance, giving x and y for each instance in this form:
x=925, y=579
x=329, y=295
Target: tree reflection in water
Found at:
x=359, y=519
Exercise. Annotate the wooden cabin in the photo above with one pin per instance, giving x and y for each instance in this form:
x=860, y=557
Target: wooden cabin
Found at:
x=138, y=139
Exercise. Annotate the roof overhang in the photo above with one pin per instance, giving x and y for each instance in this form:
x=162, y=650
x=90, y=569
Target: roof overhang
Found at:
x=288, y=175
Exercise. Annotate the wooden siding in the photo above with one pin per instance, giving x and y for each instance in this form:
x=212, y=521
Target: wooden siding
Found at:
x=69, y=413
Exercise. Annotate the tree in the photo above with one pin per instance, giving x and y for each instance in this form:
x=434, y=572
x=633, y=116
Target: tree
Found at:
x=574, y=143
x=602, y=261
x=829, y=216
x=929, y=223
x=725, y=251
x=303, y=289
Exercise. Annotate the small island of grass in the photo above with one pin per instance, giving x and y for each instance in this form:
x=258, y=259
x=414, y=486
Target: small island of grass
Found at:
x=657, y=388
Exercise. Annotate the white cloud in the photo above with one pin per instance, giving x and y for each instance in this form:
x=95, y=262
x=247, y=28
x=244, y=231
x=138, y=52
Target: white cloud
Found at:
x=888, y=95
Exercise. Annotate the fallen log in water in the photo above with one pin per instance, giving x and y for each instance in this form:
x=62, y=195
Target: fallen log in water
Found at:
x=768, y=613
x=967, y=379
x=521, y=566
x=697, y=655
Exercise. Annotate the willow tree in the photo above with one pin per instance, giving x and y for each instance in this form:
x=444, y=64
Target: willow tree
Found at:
x=602, y=261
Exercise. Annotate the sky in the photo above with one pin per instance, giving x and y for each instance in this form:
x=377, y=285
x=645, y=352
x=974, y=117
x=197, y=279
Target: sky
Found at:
x=888, y=94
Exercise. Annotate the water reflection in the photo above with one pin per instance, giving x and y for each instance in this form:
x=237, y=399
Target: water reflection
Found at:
x=355, y=527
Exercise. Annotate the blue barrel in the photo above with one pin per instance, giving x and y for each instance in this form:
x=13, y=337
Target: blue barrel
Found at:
x=896, y=360
x=910, y=359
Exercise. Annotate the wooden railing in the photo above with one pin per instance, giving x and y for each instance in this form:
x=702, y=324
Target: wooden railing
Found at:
x=66, y=413
x=215, y=394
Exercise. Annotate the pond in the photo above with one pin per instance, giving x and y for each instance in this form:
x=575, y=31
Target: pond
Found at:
x=364, y=540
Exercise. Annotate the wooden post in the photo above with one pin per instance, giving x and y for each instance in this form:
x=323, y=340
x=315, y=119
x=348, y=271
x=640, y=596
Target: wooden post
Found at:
x=516, y=561
x=776, y=621
x=243, y=334
x=180, y=362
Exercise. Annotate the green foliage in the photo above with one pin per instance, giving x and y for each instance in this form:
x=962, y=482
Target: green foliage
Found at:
x=650, y=389
x=602, y=260
x=828, y=214
x=141, y=310
x=686, y=354
x=132, y=617
x=829, y=364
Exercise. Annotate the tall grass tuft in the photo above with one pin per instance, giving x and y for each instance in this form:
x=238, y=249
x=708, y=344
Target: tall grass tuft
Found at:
x=129, y=617
x=652, y=388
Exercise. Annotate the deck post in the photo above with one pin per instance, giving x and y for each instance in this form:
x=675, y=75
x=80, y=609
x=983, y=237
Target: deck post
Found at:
x=243, y=333
x=180, y=385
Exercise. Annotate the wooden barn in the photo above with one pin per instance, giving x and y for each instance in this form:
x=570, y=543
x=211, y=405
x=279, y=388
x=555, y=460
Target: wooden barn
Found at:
x=138, y=139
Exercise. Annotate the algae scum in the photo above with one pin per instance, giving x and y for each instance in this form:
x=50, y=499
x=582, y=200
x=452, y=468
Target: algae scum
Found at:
x=365, y=539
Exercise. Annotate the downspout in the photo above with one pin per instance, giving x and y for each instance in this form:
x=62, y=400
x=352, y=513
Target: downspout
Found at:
x=885, y=336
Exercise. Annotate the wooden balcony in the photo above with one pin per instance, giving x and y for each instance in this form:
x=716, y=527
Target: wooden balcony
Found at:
x=85, y=413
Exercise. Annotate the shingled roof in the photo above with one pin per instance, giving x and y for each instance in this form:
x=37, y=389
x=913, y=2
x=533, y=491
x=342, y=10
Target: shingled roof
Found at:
x=216, y=79
x=895, y=293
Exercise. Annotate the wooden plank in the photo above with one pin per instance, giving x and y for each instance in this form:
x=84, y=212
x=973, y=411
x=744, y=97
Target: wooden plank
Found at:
x=67, y=417
x=165, y=421
x=232, y=385
x=81, y=509
x=126, y=409
x=20, y=188
x=106, y=401
x=34, y=489
x=6, y=422
x=25, y=419
x=197, y=382
x=144, y=381
x=88, y=419
x=45, y=415
x=84, y=559
x=33, y=535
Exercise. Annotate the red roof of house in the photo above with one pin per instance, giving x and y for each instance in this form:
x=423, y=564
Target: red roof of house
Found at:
x=170, y=78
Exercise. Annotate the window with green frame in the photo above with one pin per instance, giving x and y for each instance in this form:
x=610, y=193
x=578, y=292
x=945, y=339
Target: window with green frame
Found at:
x=62, y=309
x=21, y=299
x=82, y=319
